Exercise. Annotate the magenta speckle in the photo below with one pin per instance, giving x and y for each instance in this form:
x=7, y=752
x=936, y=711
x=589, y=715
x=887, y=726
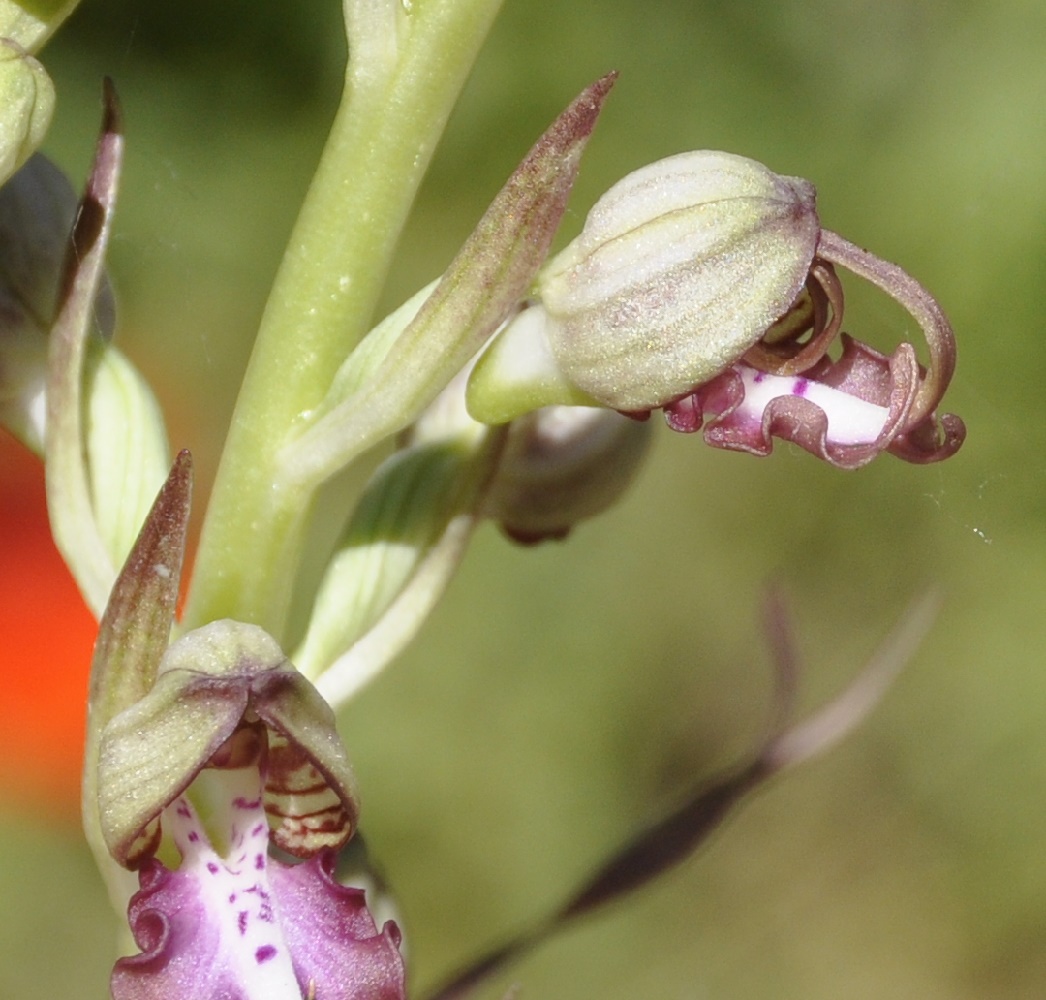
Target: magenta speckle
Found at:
x=183, y=810
x=212, y=868
x=193, y=837
x=258, y=830
x=264, y=953
x=232, y=897
x=241, y=803
x=759, y=376
x=259, y=861
x=241, y=921
x=801, y=385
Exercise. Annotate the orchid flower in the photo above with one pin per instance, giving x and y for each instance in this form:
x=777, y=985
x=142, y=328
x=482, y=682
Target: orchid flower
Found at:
x=514, y=390
x=229, y=750
x=231, y=920
x=704, y=286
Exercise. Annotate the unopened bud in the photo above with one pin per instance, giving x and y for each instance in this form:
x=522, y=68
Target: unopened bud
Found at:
x=561, y=465
x=680, y=268
x=31, y=24
x=26, y=104
x=37, y=208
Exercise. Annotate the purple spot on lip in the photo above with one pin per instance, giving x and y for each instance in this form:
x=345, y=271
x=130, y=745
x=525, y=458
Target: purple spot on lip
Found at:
x=259, y=861
x=212, y=868
x=241, y=803
x=800, y=387
x=759, y=376
x=241, y=921
x=193, y=837
x=264, y=953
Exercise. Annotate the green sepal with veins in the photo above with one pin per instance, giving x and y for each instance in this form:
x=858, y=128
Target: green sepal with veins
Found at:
x=213, y=683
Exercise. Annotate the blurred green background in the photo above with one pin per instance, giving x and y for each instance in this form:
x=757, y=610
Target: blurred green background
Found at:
x=560, y=697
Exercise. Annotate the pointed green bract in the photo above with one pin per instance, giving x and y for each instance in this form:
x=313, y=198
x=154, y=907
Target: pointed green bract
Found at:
x=486, y=280
x=400, y=517
x=134, y=633
x=135, y=629
x=69, y=505
x=395, y=105
x=124, y=440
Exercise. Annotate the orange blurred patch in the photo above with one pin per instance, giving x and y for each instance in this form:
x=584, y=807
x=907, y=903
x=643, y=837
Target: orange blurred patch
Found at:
x=47, y=635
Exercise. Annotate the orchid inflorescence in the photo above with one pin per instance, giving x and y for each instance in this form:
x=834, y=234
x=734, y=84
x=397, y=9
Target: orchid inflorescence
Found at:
x=217, y=789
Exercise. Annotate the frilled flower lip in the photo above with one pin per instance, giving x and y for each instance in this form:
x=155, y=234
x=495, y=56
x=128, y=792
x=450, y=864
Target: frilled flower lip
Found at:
x=845, y=412
x=249, y=927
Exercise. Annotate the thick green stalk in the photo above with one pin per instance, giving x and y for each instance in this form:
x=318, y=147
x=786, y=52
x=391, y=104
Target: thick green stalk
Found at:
x=392, y=114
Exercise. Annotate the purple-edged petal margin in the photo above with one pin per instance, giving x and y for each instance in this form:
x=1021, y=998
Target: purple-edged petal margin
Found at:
x=845, y=412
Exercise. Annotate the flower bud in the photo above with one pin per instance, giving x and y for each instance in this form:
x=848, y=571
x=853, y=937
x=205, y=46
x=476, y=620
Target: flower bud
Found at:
x=37, y=209
x=36, y=213
x=680, y=268
x=31, y=24
x=561, y=465
x=26, y=104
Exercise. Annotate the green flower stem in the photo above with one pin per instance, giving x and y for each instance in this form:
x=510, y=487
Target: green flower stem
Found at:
x=393, y=111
